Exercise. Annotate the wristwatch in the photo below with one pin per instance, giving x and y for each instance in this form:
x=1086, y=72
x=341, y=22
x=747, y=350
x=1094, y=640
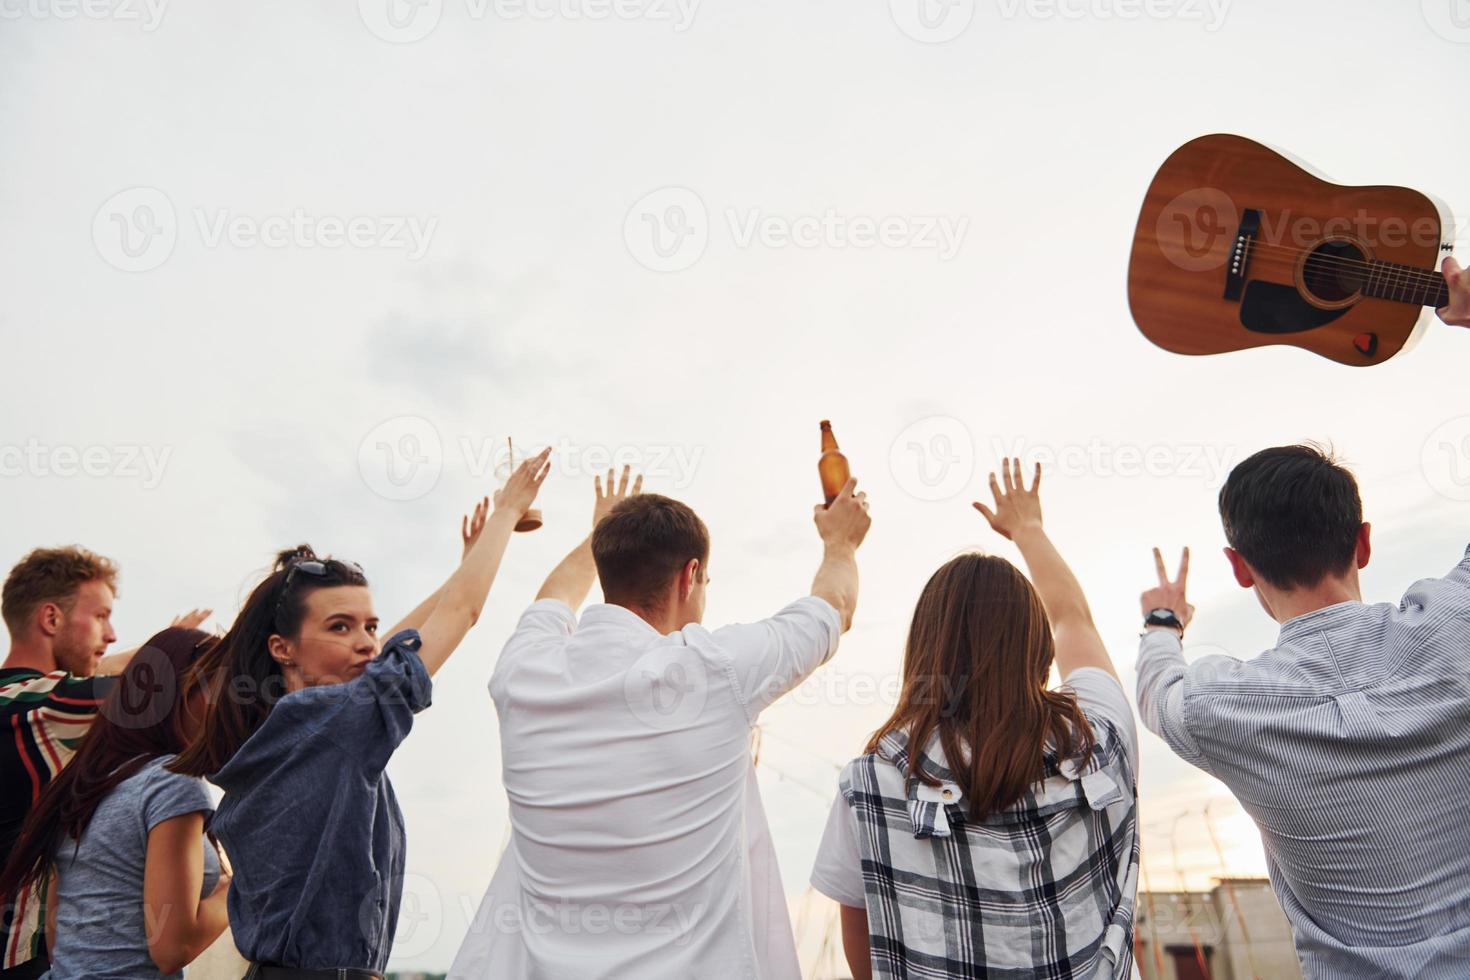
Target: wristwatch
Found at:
x=1163, y=617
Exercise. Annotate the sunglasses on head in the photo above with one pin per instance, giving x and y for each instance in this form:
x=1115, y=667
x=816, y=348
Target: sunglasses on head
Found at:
x=310, y=566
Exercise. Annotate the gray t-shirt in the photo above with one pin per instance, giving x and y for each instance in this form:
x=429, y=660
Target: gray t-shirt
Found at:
x=101, y=933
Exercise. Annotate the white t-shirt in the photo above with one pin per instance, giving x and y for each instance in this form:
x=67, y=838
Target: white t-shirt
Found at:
x=639, y=846
x=838, y=871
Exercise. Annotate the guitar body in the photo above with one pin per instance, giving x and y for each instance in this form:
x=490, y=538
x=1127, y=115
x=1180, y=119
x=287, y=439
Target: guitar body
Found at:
x=1239, y=247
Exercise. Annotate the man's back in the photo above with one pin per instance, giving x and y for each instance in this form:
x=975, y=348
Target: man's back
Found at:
x=639, y=844
x=1350, y=746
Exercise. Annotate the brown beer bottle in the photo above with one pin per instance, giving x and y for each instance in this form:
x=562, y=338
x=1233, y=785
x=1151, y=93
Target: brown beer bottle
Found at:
x=832, y=466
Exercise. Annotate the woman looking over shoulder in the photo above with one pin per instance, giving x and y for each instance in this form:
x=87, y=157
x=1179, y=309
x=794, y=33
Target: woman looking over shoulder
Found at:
x=304, y=714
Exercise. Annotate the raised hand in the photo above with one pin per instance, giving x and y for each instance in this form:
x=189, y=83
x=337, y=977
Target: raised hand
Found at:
x=1016, y=508
x=1167, y=594
x=845, y=521
x=191, y=619
x=471, y=525
x=609, y=497
x=1457, y=314
x=519, y=492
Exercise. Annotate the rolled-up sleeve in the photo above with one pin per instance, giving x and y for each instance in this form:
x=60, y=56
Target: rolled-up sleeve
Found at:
x=773, y=656
x=1161, y=705
x=377, y=712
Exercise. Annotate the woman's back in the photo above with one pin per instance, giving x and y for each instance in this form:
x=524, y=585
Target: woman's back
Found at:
x=1044, y=887
x=102, y=929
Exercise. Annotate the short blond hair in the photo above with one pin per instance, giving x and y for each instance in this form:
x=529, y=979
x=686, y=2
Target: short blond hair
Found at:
x=51, y=575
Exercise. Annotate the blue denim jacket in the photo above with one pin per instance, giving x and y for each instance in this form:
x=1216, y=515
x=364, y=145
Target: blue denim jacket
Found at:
x=310, y=822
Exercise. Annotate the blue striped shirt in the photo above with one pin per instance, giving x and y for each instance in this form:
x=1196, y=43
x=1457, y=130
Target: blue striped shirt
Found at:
x=1349, y=744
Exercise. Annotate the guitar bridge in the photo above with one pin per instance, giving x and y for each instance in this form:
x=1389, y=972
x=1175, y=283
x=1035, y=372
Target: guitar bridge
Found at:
x=1240, y=254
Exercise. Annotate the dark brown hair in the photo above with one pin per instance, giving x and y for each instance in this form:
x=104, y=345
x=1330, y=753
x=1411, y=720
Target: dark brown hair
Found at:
x=51, y=575
x=241, y=680
x=1293, y=513
x=975, y=670
x=141, y=719
x=642, y=544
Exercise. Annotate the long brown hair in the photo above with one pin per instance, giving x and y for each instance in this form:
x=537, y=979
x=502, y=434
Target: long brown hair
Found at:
x=975, y=669
x=141, y=719
x=241, y=680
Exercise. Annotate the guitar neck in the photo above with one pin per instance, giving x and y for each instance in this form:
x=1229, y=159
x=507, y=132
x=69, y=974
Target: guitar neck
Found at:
x=1406, y=284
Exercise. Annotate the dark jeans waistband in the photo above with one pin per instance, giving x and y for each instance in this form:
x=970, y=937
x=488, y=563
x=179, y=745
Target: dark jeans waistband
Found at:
x=264, y=971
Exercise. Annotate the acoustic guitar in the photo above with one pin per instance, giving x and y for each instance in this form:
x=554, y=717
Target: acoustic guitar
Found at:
x=1239, y=247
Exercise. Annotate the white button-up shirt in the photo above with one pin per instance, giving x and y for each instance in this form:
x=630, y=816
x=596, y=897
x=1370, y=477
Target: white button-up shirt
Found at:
x=639, y=846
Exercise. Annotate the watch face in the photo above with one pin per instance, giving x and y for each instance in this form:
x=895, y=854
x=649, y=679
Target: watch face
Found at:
x=1162, y=617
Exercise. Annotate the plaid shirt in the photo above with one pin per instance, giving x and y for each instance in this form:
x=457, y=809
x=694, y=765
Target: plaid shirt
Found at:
x=1042, y=889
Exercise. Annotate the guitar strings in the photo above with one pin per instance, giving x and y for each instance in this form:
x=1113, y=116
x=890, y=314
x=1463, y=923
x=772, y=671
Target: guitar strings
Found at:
x=1392, y=272
x=1367, y=263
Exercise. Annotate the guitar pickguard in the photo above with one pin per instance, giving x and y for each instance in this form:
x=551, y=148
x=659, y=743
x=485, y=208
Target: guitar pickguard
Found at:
x=1274, y=308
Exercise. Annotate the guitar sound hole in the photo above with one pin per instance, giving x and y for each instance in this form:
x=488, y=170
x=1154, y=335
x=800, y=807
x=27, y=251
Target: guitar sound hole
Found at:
x=1335, y=272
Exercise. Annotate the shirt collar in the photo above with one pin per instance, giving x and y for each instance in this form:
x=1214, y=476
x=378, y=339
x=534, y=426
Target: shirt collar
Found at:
x=1299, y=626
x=619, y=617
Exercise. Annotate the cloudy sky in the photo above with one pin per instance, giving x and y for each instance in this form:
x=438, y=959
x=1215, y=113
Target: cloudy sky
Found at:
x=293, y=272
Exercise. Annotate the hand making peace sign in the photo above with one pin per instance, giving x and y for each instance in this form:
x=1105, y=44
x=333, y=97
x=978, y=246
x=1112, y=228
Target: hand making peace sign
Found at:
x=1167, y=594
